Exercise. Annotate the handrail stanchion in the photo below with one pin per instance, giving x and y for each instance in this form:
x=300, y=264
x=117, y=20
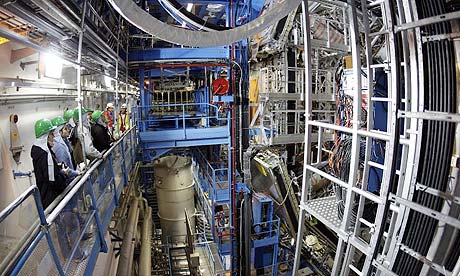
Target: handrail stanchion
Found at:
x=123, y=162
x=44, y=228
x=183, y=121
x=98, y=219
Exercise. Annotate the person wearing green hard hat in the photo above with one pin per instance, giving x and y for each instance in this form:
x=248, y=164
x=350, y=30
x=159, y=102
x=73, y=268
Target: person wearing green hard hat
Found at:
x=68, y=221
x=99, y=131
x=90, y=151
x=85, y=114
x=49, y=176
x=68, y=115
x=60, y=147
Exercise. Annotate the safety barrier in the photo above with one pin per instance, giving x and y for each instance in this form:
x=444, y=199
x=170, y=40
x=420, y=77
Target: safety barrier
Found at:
x=65, y=239
x=175, y=116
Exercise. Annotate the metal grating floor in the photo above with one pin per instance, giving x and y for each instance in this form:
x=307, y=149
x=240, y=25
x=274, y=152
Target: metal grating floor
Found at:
x=325, y=210
x=41, y=263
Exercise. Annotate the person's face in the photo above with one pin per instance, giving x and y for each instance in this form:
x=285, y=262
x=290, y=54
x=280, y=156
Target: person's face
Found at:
x=65, y=132
x=51, y=138
x=110, y=109
x=123, y=110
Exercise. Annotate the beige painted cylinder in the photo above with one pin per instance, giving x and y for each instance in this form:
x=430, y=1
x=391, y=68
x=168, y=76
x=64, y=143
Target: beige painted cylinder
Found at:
x=175, y=194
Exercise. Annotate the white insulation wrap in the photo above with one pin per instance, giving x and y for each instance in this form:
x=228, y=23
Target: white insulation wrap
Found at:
x=149, y=24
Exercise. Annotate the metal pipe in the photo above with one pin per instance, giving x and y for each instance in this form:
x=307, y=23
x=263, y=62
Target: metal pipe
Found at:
x=127, y=246
x=240, y=117
x=145, y=259
x=18, y=201
x=307, y=146
x=456, y=270
x=79, y=91
x=54, y=12
x=115, y=117
x=72, y=192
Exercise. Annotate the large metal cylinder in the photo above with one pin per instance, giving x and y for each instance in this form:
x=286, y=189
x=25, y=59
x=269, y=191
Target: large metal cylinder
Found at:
x=175, y=193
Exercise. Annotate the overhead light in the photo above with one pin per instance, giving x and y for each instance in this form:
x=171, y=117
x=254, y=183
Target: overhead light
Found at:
x=53, y=65
x=215, y=8
x=107, y=81
x=189, y=9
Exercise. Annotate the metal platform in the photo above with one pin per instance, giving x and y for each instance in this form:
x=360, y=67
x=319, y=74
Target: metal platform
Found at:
x=325, y=210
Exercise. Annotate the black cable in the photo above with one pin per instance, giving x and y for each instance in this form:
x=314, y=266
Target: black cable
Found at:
x=436, y=138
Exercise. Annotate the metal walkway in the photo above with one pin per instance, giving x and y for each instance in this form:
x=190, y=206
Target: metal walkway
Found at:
x=66, y=238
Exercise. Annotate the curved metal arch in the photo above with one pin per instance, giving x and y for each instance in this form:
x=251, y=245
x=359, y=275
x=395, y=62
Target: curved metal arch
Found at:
x=149, y=24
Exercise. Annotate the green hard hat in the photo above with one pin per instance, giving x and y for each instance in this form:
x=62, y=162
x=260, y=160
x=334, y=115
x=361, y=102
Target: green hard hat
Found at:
x=58, y=121
x=67, y=115
x=83, y=111
x=43, y=126
x=97, y=114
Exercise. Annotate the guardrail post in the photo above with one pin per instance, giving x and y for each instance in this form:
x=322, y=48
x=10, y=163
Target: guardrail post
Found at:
x=98, y=220
x=45, y=230
x=123, y=162
x=113, y=182
x=183, y=121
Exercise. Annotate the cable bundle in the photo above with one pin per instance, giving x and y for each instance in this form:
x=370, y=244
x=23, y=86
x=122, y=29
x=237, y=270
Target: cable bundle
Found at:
x=436, y=147
x=339, y=163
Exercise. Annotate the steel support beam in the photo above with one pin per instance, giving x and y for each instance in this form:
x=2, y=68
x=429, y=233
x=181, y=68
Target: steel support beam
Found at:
x=307, y=148
x=159, y=54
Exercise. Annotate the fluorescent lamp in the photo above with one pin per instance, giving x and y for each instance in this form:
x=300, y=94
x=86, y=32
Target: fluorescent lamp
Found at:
x=53, y=65
x=189, y=9
x=107, y=81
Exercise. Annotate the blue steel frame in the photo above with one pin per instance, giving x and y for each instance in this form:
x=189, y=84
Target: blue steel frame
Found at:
x=160, y=133
x=155, y=142
x=157, y=54
x=215, y=180
x=266, y=231
x=121, y=154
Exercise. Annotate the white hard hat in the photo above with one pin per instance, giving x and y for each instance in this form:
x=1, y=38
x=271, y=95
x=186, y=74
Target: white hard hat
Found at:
x=110, y=105
x=124, y=106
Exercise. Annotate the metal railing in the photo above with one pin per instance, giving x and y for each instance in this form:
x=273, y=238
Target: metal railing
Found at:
x=214, y=174
x=75, y=223
x=178, y=116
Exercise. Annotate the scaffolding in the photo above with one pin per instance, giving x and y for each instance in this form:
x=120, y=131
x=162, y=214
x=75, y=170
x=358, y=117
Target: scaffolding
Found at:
x=380, y=243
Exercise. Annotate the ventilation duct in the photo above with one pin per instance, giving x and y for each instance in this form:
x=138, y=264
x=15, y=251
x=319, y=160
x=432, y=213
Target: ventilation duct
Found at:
x=149, y=24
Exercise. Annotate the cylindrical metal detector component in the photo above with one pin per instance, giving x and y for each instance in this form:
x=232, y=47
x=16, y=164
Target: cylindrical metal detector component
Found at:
x=175, y=192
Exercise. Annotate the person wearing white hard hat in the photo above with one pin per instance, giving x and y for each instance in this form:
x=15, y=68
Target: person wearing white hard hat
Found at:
x=108, y=113
x=123, y=118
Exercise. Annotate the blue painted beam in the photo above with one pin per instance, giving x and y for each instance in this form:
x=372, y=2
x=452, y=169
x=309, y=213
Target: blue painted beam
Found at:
x=183, y=143
x=202, y=11
x=219, y=16
x=153, y=142
x=184, y=134
x=157, y=54
x=167, y=72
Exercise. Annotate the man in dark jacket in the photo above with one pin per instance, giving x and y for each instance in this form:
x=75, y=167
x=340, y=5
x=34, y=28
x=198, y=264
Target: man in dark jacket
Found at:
x=99, y=131
x=52, y=179
x=49, y=176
